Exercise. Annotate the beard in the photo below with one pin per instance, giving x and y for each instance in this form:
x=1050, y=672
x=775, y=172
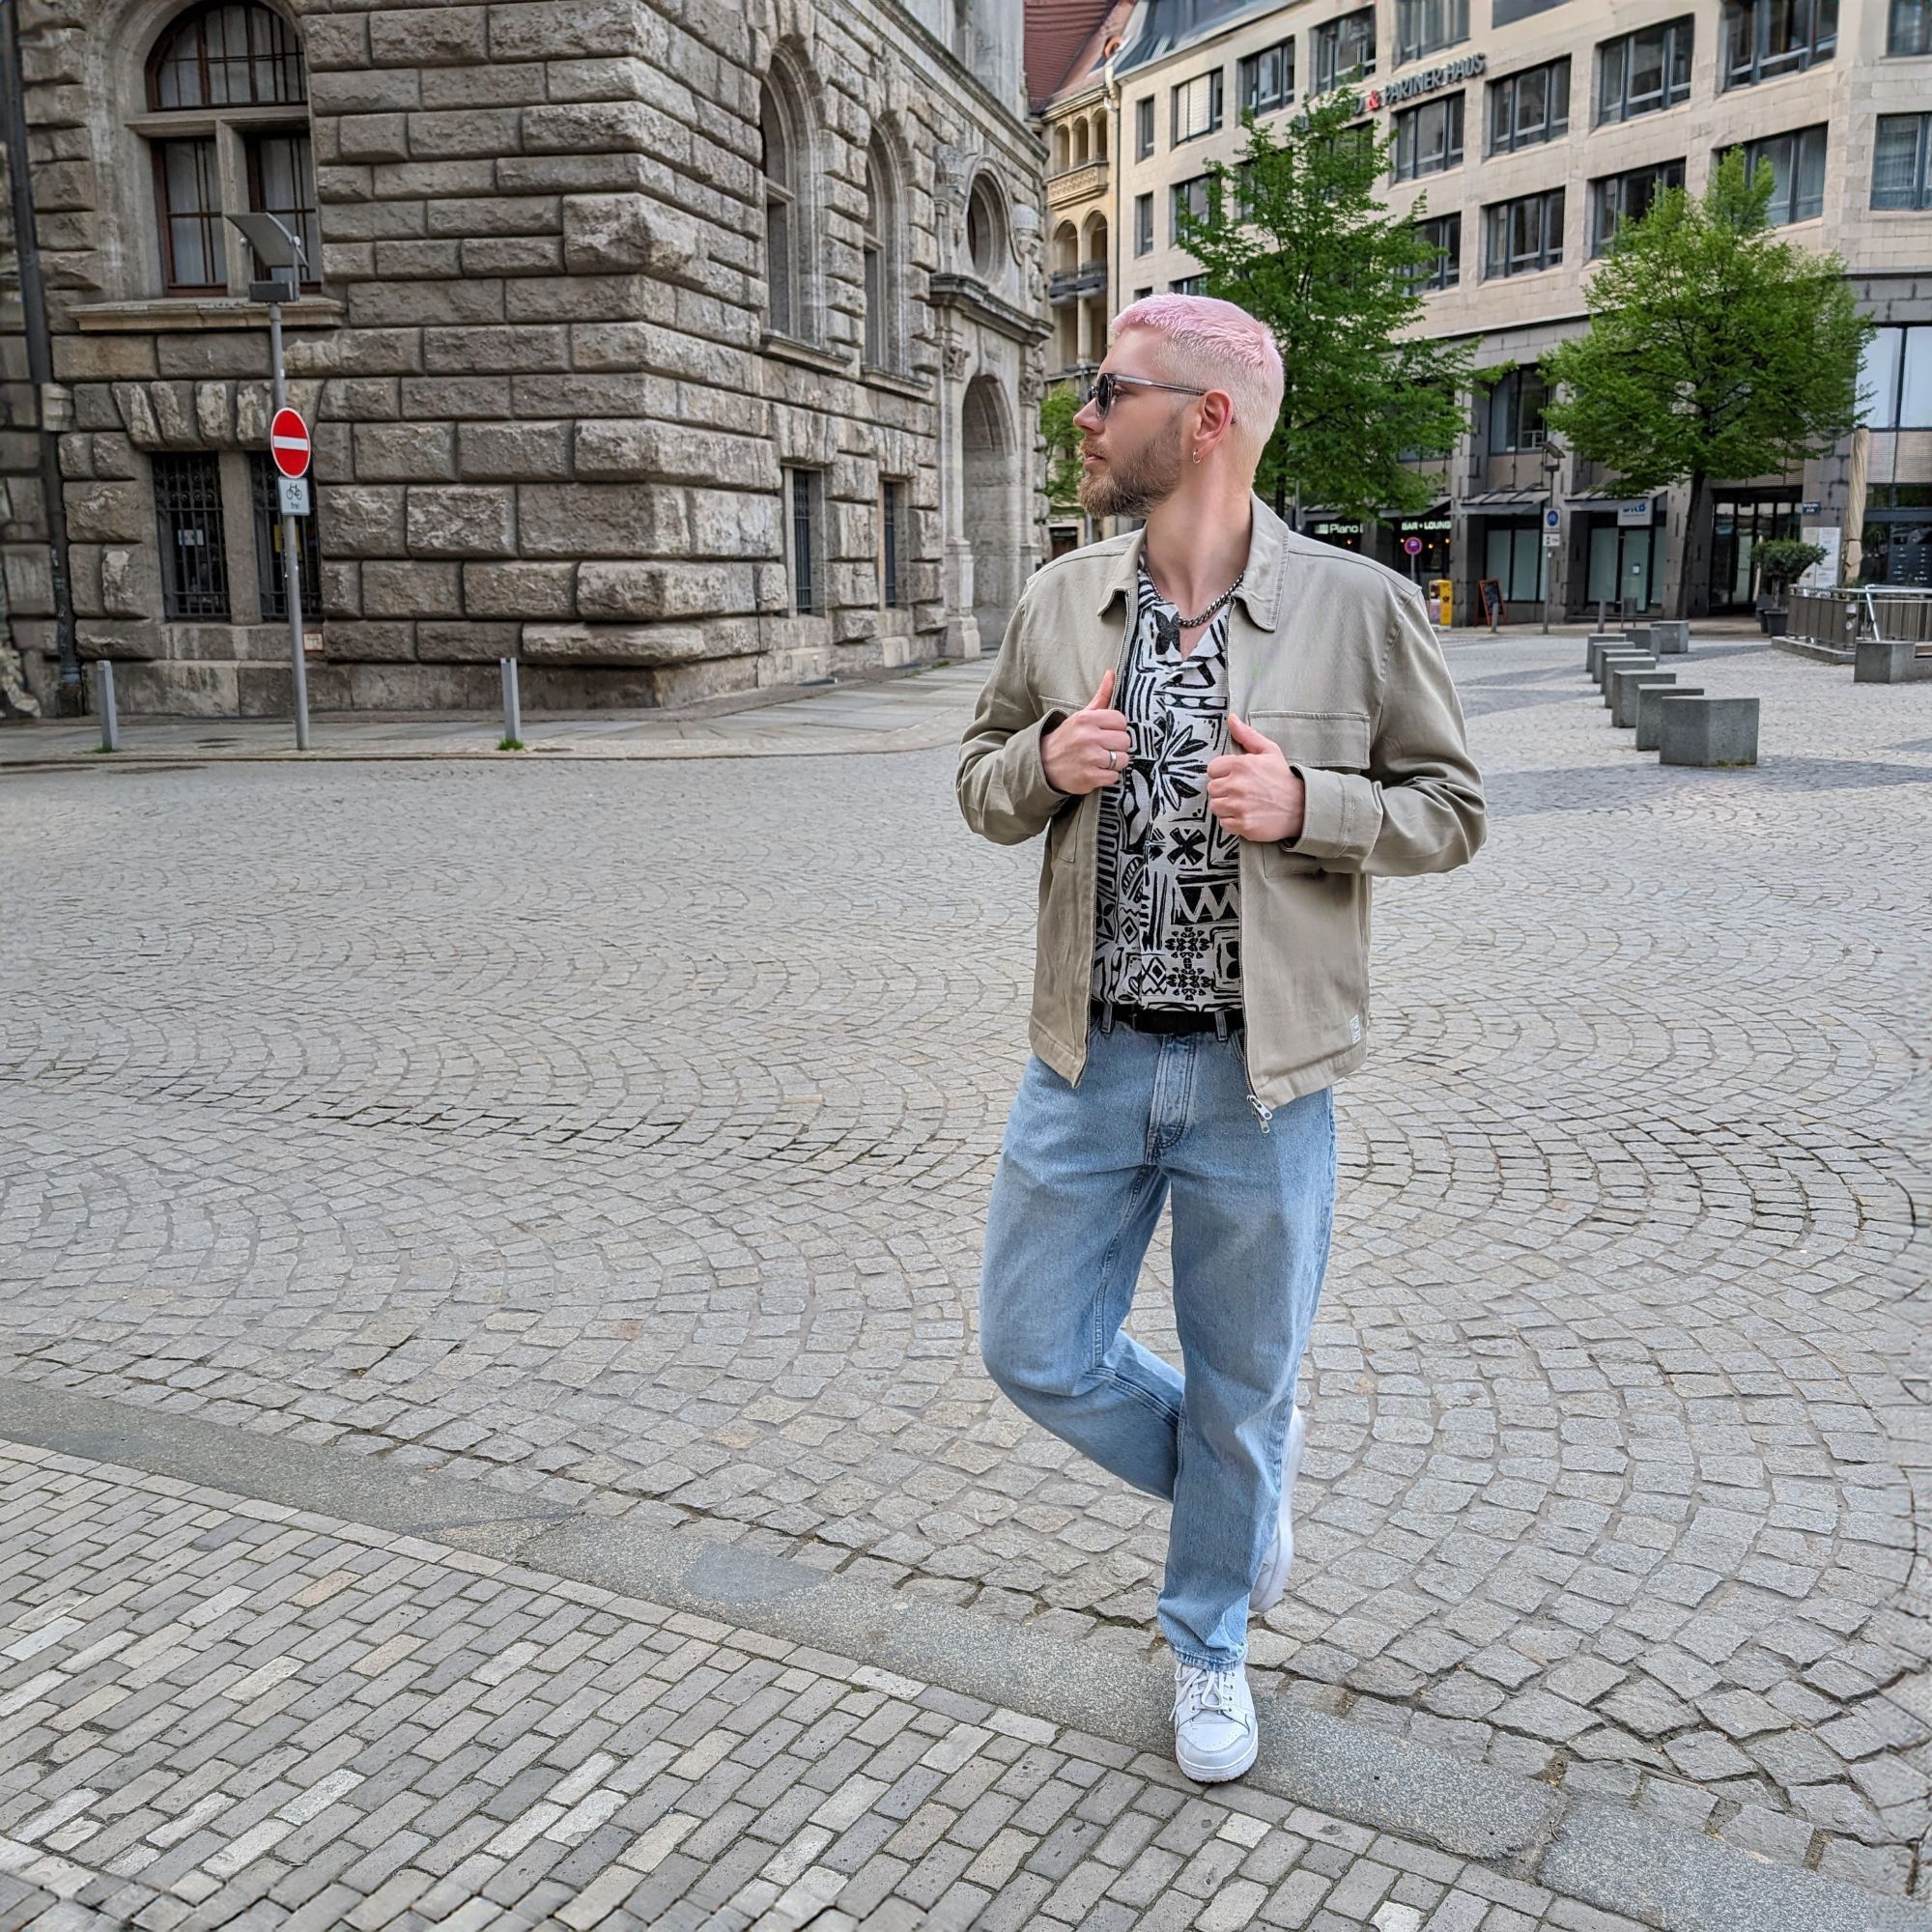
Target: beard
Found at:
x=1135, y=485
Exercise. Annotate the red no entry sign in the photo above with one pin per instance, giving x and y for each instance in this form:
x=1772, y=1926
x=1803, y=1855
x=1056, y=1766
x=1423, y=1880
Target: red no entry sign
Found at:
x=288, y=443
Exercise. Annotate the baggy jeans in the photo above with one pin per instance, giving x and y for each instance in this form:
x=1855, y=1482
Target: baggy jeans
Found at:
x=1083, y=1172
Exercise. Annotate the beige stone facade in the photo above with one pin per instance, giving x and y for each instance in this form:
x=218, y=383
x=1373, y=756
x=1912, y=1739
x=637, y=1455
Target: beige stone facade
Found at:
x=672, y=348
x=1174, y=115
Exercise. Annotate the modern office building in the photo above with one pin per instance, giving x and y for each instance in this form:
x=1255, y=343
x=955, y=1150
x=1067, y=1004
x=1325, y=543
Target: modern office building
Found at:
x=1523, y=128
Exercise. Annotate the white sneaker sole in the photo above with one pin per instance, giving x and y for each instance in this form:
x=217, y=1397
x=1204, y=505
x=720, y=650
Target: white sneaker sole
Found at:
x=1205, y=1769
x=1272, y=1584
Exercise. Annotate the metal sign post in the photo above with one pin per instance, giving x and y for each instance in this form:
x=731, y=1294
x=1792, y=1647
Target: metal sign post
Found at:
x=281, y=250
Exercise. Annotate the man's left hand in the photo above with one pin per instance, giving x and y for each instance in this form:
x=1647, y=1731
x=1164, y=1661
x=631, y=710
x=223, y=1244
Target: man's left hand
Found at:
x=1252, y=790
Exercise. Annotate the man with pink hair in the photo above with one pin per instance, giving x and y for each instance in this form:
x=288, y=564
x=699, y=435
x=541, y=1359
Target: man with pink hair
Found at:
x=1225, y=730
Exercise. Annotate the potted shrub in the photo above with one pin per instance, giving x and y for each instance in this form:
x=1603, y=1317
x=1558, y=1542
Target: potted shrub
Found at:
x=1780, y=562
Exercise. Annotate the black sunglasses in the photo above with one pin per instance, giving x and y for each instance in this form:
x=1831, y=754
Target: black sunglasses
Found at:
x=1102, y=392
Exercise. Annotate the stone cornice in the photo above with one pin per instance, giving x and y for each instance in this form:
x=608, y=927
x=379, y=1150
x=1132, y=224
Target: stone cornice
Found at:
x=973, y=297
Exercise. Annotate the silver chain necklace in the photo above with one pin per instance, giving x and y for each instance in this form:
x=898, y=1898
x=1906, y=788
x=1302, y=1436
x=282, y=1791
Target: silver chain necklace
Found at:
x=1194, y=623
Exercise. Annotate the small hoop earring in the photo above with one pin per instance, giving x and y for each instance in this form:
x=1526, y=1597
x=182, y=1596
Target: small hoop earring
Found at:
x=1197, y=456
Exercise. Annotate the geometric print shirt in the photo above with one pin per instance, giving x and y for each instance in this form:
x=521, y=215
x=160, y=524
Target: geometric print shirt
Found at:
x=1167, y=911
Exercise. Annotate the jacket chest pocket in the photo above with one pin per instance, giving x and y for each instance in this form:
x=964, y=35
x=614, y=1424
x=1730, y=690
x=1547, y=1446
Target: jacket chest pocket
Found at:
x=1337, y=740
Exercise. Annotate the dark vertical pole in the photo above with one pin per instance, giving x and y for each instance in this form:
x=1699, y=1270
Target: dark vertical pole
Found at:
x=40, y=351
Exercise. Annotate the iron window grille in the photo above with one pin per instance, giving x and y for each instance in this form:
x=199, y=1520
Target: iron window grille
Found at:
x=269, y=577
x=194, y=556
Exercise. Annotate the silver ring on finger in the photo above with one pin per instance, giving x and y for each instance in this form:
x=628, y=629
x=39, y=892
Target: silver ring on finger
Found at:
x=1113, y=761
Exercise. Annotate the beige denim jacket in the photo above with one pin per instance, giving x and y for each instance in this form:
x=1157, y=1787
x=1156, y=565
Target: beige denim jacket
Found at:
x=1330, y=655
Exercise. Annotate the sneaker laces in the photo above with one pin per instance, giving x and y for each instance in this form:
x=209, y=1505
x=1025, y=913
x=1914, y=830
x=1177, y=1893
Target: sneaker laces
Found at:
x=1201, y=1686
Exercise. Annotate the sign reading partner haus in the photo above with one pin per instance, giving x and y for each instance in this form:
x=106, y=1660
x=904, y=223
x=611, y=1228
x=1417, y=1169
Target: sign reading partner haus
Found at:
x=1428, y=81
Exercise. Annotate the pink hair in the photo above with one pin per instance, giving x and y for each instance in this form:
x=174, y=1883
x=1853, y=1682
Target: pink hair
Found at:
x=1221, y=343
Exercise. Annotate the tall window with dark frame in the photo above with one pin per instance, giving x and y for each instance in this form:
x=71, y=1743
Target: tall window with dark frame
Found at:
x=1144, y=224
x=1645, y=71
x=1908, y=27
x=1796, y=173
x=1267, y=79
x=1767, y=37
x=1615, y=199
x=1188, y=198
x=1195, y=108
x=802, y=487
x=1429, y=136
x=785, y=292
x=1517, y=403
x=1425, y=27
x=1144, y=128
x=1444, y=232
x=228, y=60
x=892, y=541
x=270, y=580
x=1343, y=46
x=194, y=557
x=1523, y=235
x=1902, y=161
x=880, y=258
x=1529, y=107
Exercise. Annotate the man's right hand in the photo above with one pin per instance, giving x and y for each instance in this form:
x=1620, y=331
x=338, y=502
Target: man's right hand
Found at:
x=1075, y=752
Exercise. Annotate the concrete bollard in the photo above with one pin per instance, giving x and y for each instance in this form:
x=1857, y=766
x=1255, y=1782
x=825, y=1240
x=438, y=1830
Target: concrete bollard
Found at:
x=1637, y=634
x=1624, y=688
x=1884, y=661
x=1621, y=661
x=1617, y=668
x=1708, y=731
x=1651, y=699
x=1672, y=638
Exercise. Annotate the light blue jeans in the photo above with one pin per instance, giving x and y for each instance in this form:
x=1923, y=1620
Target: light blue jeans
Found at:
x=1083, y=1174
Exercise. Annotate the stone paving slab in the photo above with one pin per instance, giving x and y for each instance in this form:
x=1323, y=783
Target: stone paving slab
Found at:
x=916, y=712
x=631, y=1160
x=218, y=1711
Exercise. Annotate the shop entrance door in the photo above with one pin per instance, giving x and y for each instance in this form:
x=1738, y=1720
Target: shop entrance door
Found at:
x=1739, y=525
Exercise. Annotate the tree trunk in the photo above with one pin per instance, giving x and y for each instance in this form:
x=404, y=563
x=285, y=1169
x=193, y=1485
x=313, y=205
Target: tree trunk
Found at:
x=1696, y=558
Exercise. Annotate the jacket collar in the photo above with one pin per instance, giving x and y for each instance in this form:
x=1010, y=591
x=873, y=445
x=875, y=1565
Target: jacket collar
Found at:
x=1261, y=583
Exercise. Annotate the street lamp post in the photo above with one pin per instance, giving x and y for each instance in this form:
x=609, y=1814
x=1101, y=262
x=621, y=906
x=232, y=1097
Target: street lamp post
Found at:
x=279, y=249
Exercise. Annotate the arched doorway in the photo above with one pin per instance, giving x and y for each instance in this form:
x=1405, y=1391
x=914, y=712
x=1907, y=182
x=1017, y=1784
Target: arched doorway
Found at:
x=987, y=463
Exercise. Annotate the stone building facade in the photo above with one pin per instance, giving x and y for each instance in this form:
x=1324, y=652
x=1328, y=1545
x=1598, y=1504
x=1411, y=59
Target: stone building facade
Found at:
x=673, y=346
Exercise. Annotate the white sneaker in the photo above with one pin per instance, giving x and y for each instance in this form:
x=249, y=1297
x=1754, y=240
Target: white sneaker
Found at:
x=1216, y=1737
x=1272, y=1581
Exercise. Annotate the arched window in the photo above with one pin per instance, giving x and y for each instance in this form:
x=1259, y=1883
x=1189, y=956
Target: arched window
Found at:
x=985, y=228
x=213, y=75
x=781, y=124
x=884, y=333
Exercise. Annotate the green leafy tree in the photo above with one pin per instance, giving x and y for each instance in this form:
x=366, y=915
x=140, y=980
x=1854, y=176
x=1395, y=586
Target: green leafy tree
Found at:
x=1715, y=351
x=1296, y=234
x=1057, y=410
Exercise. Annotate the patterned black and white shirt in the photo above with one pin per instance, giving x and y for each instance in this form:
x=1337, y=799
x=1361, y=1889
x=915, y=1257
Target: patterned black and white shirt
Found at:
x=1167, y=926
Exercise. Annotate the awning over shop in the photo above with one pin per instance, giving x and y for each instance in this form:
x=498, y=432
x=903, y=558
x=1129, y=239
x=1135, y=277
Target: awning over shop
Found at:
x=1506, y=500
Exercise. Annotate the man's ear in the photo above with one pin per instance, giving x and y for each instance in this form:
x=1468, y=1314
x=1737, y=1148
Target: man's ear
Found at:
x=1217, y=415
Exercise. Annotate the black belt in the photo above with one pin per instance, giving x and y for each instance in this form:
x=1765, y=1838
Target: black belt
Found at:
x=1219, y=1021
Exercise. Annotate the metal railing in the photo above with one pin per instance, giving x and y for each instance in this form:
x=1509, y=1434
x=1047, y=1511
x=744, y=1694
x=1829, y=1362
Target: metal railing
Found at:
x=1842, y=618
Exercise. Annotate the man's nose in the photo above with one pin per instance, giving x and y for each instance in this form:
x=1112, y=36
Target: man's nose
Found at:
x=1087, y=416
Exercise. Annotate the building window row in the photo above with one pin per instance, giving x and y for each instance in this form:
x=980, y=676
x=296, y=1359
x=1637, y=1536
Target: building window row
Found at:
x=793, y=221
x=1767, y=37
x=192, y=531
x=1424, y=27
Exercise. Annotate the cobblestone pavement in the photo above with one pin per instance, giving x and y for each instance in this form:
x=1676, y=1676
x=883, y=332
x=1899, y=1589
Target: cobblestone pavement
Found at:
x=216, y=1711
x=621, y=1134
